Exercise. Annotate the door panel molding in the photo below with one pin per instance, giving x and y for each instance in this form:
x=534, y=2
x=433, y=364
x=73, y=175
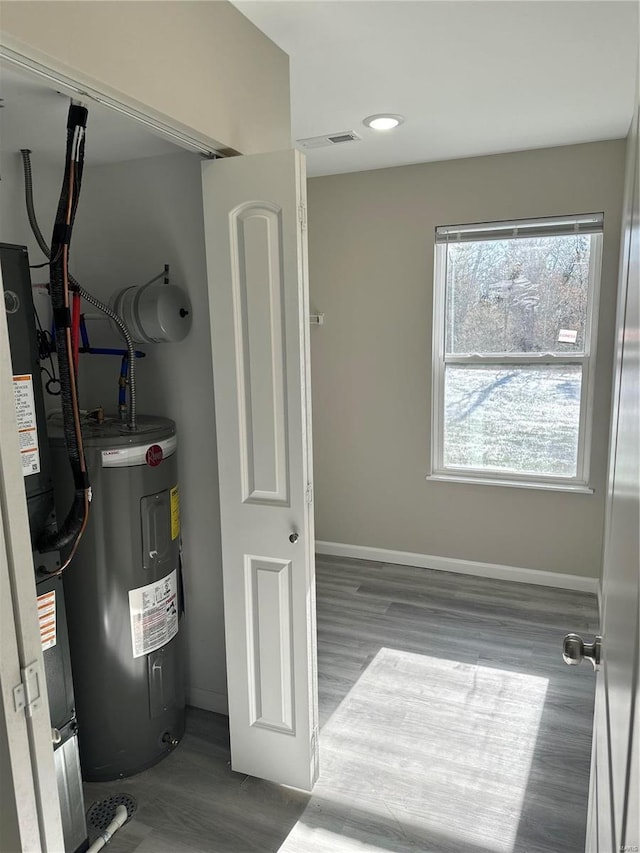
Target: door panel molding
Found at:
x=258, y=297
x=270, y=643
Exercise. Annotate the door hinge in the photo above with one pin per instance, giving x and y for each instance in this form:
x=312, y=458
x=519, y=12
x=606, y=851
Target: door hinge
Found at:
x=308, y=495
x=302, y=215
x=26, y=695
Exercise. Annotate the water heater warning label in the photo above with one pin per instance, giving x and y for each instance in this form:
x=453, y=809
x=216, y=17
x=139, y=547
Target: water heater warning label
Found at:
x=153, y=610
x=27, y=425
x=47, y=619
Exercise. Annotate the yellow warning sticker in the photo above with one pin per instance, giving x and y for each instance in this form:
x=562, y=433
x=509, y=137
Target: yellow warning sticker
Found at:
x=175, y=513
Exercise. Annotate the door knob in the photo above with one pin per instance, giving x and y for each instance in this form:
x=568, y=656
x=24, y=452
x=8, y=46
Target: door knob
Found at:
x=574, y=650
x=293, y=538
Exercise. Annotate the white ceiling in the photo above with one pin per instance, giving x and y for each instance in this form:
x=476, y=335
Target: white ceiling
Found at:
x=32, y=110
x=471, y=77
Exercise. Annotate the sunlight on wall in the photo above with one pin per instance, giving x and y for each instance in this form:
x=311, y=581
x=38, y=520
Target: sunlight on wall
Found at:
x=439, y=749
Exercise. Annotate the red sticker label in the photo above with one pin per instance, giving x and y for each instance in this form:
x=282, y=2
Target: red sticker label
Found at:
x=154, y=455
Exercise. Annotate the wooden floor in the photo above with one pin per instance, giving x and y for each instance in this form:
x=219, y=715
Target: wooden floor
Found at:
x=449, y=725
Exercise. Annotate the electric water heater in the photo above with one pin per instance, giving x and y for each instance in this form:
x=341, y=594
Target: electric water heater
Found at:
x=124, y=596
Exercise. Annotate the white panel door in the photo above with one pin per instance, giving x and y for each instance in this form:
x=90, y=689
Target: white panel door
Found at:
x=614, y=800
x=255, y=233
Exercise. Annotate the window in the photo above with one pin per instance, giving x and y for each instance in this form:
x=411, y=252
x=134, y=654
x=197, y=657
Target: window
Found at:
x=514, y=340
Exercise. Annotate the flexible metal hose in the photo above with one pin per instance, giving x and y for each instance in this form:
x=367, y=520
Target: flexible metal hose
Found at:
x=101, y=306
x=28, y=191
x=88, y=297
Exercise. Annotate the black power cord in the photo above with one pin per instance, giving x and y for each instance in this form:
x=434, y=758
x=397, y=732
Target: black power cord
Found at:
x=45, y=348
x=46, y=263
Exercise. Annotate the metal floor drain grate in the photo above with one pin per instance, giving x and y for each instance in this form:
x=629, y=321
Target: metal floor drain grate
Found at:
x=100, y=815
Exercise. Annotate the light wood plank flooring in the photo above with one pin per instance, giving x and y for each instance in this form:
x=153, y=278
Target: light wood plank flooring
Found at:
x=449, y=725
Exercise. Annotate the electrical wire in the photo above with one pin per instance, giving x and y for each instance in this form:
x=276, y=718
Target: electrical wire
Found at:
x=45, y=342
x=75, y=331
x=88, y=297
x=73, y=373
x=46, y=263
x=69, y=533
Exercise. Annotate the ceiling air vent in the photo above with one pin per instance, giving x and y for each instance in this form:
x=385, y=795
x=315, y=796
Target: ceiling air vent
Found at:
x=329, y=139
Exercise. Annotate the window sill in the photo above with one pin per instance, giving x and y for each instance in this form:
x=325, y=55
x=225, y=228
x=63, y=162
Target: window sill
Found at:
x=549, y=486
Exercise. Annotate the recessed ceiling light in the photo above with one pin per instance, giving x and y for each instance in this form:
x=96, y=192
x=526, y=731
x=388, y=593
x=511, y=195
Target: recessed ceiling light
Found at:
x=383, y=121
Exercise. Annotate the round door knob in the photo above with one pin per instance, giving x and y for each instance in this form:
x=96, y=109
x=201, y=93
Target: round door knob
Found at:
x=293, y=538
x=575, y=650
x=572, y=649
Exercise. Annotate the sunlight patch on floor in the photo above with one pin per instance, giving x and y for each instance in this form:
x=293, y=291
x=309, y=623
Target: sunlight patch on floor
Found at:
x=306, y=839
x=444, y=747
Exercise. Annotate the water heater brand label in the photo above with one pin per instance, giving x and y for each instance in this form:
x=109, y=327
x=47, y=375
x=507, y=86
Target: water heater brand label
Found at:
x=127, y=457
x=27, y=425
x=154, y=455
x=47, y=619
x=153, y=611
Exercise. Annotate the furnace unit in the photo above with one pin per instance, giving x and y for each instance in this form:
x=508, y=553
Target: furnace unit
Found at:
x=36, y=469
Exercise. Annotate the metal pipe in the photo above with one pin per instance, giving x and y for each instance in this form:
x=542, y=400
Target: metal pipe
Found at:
x=92, y=300
x=88, y=297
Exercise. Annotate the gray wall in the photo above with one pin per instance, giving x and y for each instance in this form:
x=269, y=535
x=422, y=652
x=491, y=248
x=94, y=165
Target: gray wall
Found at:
x=133, y=218
x=14, y=225
x=371, y=273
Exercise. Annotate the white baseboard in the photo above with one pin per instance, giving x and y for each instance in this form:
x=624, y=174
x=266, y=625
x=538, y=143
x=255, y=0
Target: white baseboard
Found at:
x=208, y=700
x=464, y=567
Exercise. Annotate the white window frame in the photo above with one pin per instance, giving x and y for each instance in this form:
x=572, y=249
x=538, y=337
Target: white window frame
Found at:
x=494, y=477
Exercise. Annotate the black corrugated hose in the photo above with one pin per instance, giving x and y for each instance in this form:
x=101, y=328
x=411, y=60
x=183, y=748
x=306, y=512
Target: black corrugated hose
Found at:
x=88, y=297
x=72, y=528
